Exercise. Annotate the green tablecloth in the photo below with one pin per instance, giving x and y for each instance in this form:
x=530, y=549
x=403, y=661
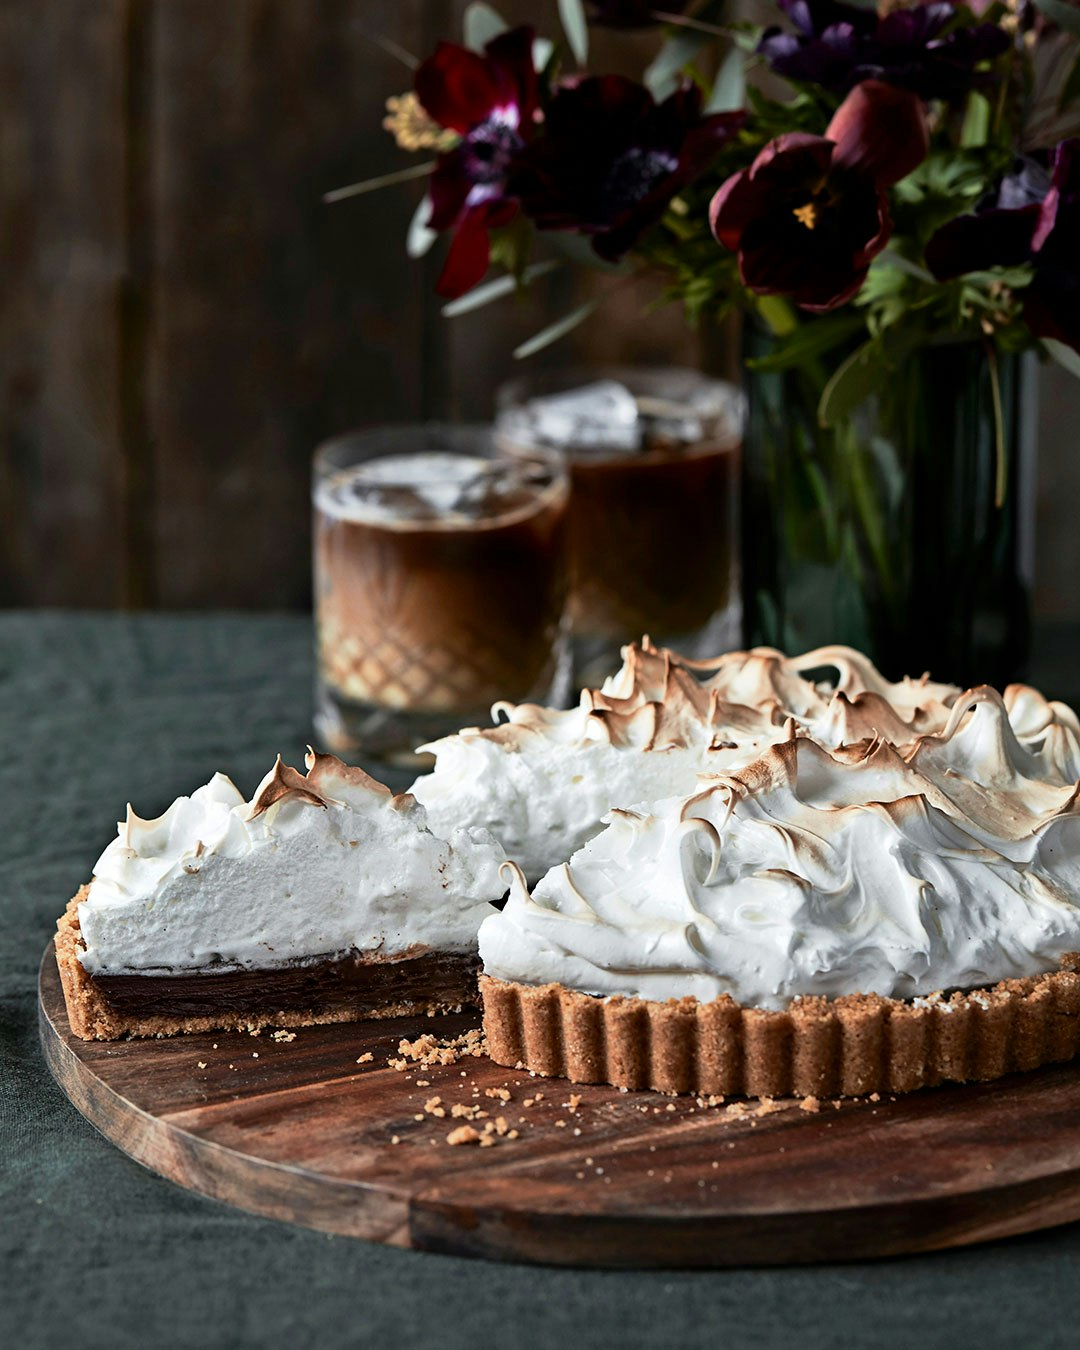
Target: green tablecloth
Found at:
x=97, y=1252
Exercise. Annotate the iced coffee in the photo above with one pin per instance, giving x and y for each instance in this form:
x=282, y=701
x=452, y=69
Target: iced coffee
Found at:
x=654, y=458
x=440, y=584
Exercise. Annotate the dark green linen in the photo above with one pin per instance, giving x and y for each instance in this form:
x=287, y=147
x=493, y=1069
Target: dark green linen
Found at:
x=94, y=1251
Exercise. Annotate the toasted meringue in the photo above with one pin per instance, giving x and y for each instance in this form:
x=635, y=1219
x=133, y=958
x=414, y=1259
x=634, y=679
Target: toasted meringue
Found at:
x=542, y=780
x=312, y=866
x=813, y=872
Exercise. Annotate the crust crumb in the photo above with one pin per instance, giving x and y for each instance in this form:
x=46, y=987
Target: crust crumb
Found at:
x=428, y=1051
x=464, y=1134
x=810, y=1104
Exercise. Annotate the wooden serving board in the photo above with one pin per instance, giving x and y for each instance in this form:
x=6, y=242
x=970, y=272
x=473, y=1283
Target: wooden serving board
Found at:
x=302, y=1131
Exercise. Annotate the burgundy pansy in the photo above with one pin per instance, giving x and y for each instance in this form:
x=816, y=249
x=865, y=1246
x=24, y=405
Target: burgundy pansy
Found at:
x=612, y=158
x=490, y=101
x=1035, y=219
x=810, y=213
x=932, y=49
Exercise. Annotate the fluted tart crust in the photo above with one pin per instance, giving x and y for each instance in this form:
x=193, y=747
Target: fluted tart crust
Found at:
x=848, y=1046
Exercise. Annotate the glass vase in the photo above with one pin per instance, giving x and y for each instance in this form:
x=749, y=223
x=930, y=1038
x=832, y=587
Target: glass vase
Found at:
x=904, y=530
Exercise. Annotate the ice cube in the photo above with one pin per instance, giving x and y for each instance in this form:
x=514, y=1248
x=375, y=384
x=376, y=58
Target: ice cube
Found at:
x=603, y=414
x=406, y=487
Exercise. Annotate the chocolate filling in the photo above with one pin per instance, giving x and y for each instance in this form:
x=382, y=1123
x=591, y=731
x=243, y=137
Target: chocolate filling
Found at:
x=353, y=983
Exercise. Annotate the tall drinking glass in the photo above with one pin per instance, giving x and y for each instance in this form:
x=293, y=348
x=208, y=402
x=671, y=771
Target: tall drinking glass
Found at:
x=440, y=584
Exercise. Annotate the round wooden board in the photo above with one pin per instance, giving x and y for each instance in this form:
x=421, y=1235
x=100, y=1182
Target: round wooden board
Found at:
x=301, y=1131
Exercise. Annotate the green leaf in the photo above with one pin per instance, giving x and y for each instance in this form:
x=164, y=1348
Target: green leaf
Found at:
x=851, y=383
x=554, y=331
x=809, y=340
x=890, y=258
x=419, y=238
x=1062, y=13
x=576, y=28
x=481, y=24
x=662, y=77
x=729, y=87
x=495, y=290
x=1067, y=357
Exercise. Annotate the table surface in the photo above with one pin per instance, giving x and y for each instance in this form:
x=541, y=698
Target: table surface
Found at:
x=97, y=709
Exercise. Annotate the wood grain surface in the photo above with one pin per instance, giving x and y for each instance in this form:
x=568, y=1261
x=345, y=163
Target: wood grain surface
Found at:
x=301, y=1131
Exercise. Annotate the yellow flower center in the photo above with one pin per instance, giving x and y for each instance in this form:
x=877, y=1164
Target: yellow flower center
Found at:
x=807, y=215
x=412, y=128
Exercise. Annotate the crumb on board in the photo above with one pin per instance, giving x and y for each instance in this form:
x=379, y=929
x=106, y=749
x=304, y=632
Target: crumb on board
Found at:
x=366, y=1058
x=810, y=1104
x=490, y=1133
x=280, y=1035
x=502, y=1094
x=201, y=1064
x=428, y=1050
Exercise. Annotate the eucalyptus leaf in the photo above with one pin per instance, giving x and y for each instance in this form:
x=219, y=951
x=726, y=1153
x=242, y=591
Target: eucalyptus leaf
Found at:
x=495, y=290
x=419, y=238
x=662, y=77
x=576, y=28
x=1066, y=357
x=554, y=331
x=729, y=88
x=1062, y=13
x=480, y=24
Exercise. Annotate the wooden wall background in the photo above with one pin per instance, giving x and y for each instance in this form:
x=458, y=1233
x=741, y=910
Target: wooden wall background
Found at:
x=182, y=319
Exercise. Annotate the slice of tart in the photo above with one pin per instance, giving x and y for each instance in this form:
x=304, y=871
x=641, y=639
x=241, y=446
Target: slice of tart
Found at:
x=542, y=780
x=323, y=899
x=819, y=922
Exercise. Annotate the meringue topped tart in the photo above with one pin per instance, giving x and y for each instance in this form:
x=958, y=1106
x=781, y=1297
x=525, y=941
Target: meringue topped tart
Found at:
x=819, y=921
x=323, y=899
x=542, y=779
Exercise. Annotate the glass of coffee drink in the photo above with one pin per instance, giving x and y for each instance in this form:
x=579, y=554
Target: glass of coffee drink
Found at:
x=440, y=584
x=654, y=468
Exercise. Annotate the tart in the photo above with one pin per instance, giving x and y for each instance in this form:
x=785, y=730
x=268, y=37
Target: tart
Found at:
x=822, y=920
x=324, y=898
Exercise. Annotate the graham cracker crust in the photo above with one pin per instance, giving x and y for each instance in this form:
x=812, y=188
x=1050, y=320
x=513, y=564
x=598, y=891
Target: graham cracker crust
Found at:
x=843, y=1047
x=96, y=1012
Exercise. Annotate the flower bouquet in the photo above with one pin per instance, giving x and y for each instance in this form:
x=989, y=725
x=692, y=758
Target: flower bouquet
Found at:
x=891, y=199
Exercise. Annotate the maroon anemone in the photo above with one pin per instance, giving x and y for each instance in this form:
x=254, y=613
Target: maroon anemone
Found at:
x=1035, y=220
x=809, y=215
x=490, y=101
x=612, y=158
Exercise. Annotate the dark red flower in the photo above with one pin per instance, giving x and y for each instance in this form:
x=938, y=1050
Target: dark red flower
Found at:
x=490, y=101
x=809, y=215
x=611, y=159
x=1034, y=219
x=928, y=48
x=631, y=13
